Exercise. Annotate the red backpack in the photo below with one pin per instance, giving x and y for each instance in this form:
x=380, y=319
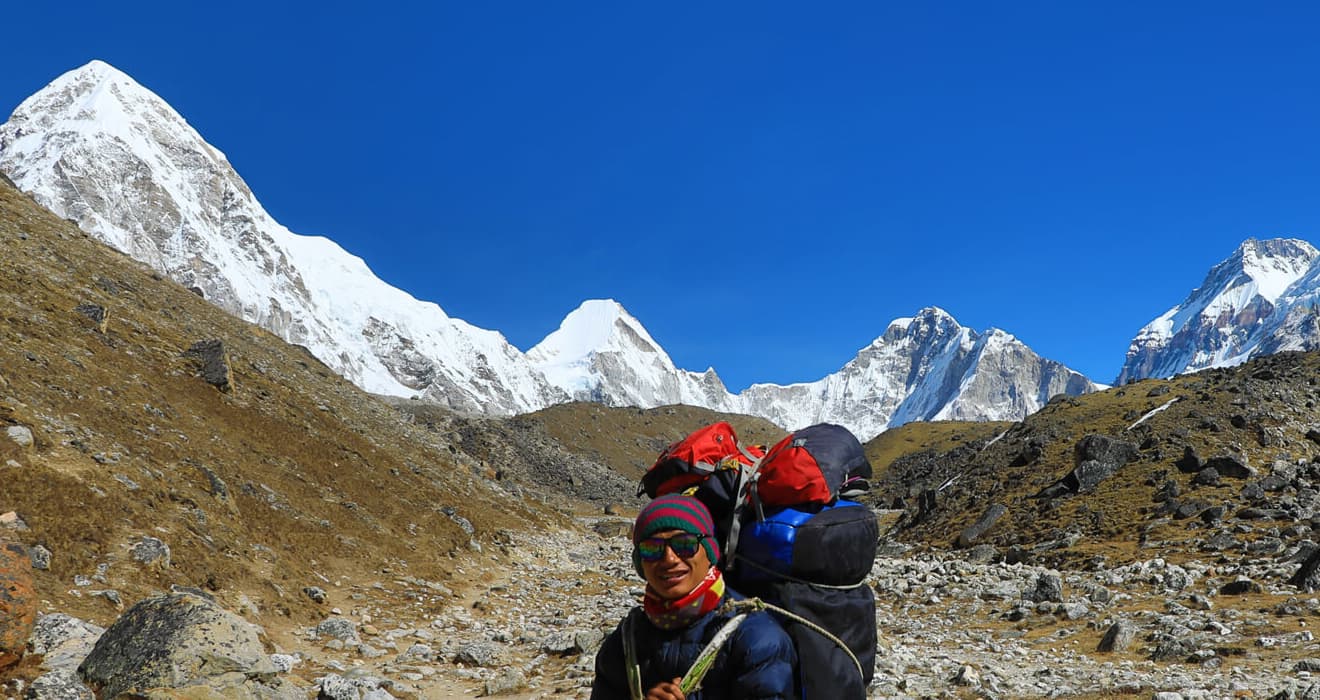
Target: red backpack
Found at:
x=691, y=461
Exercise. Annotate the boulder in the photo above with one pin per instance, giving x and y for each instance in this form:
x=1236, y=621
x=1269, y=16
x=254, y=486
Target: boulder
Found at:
x=1048, y=589
x=151, y=552
x=58, y=685
x=1097, y=458
x=21, y=435
x=212, y=363
x=1206, y=477
x=1230, y=466
x=171, y=642
x=1118, y=637
x=63, y=641
x=18, y=602
x=972, y=532
x=1307, y=577
x=1190, y=462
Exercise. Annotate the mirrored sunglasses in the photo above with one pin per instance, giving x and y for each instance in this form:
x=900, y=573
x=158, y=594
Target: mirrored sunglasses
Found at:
x=685, y=546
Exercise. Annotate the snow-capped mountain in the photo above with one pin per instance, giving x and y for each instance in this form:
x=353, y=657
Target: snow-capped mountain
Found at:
x=923, y=368
x=601, y=353
x=96, y=147
x=1259, y=300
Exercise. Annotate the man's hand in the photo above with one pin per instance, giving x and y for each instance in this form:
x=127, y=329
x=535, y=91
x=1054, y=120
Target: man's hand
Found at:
x=666, y=691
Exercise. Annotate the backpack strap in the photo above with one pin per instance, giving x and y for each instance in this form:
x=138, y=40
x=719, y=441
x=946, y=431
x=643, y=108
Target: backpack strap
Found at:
x=758, y=604
x=632, y=669
x=746, y=491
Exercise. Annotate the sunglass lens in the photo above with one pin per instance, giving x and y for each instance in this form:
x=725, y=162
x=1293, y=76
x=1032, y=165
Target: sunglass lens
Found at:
x=652, y=548
x=685, y=546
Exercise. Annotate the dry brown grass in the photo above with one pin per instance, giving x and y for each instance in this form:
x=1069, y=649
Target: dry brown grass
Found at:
x=630, y=439
x=319, y=478
x=936, y=436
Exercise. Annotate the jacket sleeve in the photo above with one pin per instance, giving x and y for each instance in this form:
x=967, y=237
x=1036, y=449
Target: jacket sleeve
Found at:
x=611, y=682
x=764, y=661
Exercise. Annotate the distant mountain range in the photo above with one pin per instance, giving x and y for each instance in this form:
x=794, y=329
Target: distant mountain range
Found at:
x=96, y=147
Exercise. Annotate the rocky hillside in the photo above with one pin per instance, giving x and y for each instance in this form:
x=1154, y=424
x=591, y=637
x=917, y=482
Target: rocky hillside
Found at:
x=136, y=412
x=1220, y=464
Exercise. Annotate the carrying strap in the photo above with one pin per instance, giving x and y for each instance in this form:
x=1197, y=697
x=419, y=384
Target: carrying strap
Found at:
x=749, y=604
x=746, y=490
x=634, y=671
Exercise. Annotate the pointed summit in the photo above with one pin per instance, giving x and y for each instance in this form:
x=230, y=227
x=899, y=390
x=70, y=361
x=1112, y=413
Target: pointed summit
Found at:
x=594, y=326
x=96, y=147
x=1220, y=323
x=602, y=353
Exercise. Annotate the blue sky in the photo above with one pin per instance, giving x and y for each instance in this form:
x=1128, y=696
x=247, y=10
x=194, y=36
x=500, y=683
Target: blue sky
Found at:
x=764, y=185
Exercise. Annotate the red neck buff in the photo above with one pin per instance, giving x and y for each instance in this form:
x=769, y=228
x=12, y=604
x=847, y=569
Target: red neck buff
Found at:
x=677, y=614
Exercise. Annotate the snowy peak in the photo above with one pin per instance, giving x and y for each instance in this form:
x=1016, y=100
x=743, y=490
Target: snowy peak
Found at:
x=1221, y=322
x=924, y=367
x=602, y=353
x=96, y=147
x=1274, y=264
x=597, y=325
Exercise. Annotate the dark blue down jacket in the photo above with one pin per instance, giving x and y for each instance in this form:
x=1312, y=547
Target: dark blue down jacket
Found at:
x=758, y=662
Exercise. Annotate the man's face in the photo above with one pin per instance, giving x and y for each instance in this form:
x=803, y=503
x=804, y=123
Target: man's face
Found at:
x=671, y=576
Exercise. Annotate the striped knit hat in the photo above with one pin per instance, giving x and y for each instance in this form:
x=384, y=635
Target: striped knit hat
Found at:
x=675, y=512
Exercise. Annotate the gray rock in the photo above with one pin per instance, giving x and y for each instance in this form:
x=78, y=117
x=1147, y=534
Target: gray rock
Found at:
x=213, y=363
x=1208, y=476
x=180, y=640
x=94, y=313
x=63, y=641
x=1240, y=586
x=1230, y=466
x=58, y=685
x=334, y=687
x=20, y=434
x=982, y=554
x=509, y=680
x=417, y=652
x=338, y=628
x=40, y=557
x=1118, y=637
x=479, y=654
x=982, y=525
x=315, y=593
x=1097, y=458
x=283, y=663
x=151, y=552
x=1048, y=589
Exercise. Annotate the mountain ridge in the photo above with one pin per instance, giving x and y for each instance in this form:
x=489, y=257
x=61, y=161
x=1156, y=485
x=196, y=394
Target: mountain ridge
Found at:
x=97, y=147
